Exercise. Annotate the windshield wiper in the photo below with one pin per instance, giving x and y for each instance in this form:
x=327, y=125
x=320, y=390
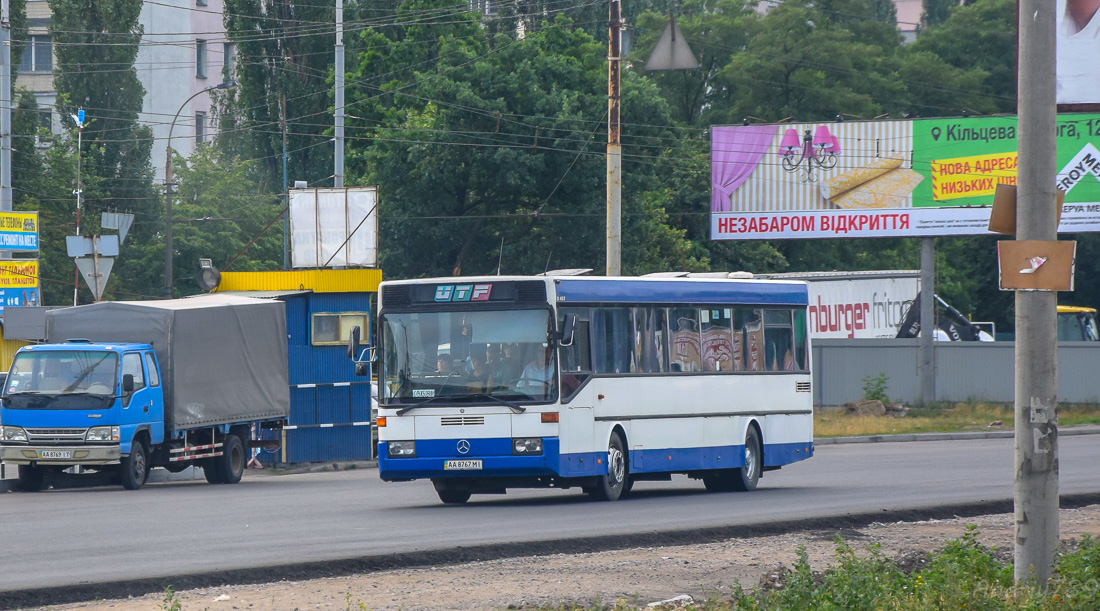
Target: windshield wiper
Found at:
x=84, y=374
x=512, y=406
x=405, y=410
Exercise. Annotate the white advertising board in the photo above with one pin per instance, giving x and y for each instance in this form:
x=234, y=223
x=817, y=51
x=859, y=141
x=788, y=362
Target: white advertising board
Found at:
x=334, y=227
x=857, y=305
x=1078, y=47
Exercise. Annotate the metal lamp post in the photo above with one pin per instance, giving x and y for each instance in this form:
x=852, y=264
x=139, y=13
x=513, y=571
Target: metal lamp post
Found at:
x=168, y=186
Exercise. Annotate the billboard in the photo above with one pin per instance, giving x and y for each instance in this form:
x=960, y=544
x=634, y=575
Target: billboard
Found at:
x=1077, y=46
x=924, y=177
x=19, y=231
x=857, y=305
x=334, y=227
x=19, y=283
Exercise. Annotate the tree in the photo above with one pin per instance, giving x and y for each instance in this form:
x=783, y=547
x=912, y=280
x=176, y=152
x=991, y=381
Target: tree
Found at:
x=812, y=63
x=981, y=35
x=716, y=30
x=935, y=12
x=220, y=211
x=95, y=44
x=285, y=57
x=41, y=182
x=493, y=151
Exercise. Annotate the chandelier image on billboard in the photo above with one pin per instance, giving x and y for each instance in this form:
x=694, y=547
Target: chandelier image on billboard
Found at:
x=812, y=152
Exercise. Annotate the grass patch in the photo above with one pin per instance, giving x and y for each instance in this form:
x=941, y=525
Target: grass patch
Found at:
x=942, y=417
x=963, y=575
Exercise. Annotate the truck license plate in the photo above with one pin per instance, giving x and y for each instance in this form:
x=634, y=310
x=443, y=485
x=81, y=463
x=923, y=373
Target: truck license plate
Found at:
x=462, y=465
x=55, y=454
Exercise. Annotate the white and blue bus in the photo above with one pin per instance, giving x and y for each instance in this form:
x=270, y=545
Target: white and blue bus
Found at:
x=499, y=382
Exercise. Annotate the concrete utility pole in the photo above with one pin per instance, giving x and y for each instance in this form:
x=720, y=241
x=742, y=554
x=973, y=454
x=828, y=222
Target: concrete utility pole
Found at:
x=927, y=305
x=338, y=156
x=1036, y=480
x=5, y=107
x=614, y=146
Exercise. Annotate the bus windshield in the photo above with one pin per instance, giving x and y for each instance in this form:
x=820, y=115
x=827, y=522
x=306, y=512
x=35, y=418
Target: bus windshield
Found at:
x=469, y=356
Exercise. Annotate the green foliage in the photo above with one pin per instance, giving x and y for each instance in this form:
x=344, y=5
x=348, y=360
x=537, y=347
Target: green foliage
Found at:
x=95, y=45
x=219, y=209
x=980, y=36
x=170, y=602
x=874, y=387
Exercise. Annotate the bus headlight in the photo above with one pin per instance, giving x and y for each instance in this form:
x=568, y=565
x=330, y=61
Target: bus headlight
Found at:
x=102, y=433
x=402, y=449
x=13, y=433
x=527, y=445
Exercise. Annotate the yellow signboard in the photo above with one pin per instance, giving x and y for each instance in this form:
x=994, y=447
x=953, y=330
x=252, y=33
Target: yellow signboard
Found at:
x=19, y=231
x=19, y=274
x=972, y=176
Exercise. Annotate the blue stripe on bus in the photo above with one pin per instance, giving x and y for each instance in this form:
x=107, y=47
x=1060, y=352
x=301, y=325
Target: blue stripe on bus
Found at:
x=497, y=459
x=579, y=290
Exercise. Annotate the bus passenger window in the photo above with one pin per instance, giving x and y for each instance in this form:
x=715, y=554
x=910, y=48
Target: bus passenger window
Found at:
x=751, y=327
x=800, y=362
x=650, y=341
x=717, y=342
x=612, y=337
x=686, y=350
x=778, y=341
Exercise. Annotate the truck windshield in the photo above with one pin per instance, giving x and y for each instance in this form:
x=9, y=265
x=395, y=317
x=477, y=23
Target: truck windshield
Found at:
x=455, y=357
x=61, y=379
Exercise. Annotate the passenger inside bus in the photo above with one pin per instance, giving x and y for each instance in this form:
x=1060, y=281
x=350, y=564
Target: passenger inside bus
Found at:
x=538, y=373
x=478, y=377
x=507, y=367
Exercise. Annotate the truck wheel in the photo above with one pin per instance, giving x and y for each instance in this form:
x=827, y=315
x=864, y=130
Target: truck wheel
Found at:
x=232, y=462
x=609, y=487
x=31, y=478
x=746, y=478
x=210, y=470
x=134, y=468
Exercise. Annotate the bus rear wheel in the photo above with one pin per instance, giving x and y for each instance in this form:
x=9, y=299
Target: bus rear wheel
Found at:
x=451, y=495
x=610, y=486
x=746, y=478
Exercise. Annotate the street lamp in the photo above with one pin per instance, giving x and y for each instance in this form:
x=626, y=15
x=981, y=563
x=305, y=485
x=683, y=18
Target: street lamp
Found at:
x=168, y=187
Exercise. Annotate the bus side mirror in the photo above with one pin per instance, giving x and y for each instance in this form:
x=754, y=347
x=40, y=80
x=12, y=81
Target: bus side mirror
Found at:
x=127, y=382
x=568, y=330
x=362, y=369
x=353, y=342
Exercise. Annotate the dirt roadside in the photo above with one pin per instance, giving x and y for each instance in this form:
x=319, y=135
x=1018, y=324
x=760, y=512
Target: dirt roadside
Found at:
x=637, y=576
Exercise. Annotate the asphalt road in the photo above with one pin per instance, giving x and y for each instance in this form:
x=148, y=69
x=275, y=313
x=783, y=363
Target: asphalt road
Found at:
x=65, y=537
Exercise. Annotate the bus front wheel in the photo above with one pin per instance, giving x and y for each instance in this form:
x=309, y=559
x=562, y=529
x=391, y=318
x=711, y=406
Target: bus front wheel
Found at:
x=610, y=486
x=451, y=495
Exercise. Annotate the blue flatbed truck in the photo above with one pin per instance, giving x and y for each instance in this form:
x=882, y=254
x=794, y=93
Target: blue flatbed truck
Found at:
x=123, y=387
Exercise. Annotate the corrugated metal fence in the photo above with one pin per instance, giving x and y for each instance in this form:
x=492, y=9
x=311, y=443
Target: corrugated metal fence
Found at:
x=964, y=370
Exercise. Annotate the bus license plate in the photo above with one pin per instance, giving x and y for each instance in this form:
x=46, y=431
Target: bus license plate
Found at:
x=462, y=465
x=55, y=454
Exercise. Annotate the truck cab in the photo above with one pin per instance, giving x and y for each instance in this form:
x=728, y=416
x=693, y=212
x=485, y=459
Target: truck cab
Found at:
x=81, y=403
x=1077, y=324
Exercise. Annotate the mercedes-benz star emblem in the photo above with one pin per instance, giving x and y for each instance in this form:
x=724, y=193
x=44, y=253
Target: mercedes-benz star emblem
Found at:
x=463, y=446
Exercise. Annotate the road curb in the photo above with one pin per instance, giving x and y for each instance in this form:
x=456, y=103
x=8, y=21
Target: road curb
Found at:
x=960, y=436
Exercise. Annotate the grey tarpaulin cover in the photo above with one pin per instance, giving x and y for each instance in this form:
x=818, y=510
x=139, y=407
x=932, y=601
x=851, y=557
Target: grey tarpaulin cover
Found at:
x=223, y=358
